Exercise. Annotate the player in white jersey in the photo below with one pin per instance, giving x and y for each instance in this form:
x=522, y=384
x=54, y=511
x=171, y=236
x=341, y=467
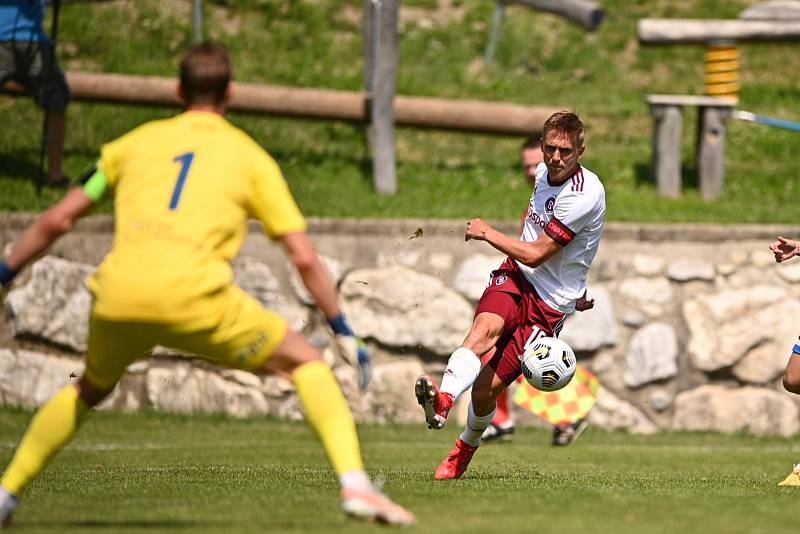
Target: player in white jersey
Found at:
x=531, y=293
x=502, y=426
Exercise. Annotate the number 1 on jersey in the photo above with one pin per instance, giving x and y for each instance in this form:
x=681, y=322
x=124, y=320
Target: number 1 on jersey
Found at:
x=186, y=162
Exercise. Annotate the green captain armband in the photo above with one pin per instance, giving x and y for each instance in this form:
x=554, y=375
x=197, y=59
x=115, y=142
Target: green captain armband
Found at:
x=95, y=185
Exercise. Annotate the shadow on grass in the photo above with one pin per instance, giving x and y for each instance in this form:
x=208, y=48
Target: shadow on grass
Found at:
x=20, y=165
x=645, y=175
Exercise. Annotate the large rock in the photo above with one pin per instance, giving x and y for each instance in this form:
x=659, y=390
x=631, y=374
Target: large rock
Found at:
x=403, y=308
x=762, y=364
x=790, y=272
x=31, y=378
x=129, y=395
x=177, y=388
x=257, y=280
x=593, y=329
x=473, y=275
x=613, y=413
x=393, y=391
x=647, y=265
x=233, y=398
x=646, y=290
x=717, y=343
x=184, y=388
x=686, y=269
x=652, y=355
x=54, y=305
x=721, y=409
x=729, y=304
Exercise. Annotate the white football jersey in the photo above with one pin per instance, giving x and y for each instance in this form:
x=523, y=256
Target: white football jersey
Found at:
x=572, y=215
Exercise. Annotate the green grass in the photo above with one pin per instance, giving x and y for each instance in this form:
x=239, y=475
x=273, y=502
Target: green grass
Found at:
x=541, y=60
x=161, y=473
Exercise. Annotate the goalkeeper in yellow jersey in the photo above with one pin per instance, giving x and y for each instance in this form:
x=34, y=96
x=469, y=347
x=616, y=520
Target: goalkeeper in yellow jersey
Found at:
x=184, y=189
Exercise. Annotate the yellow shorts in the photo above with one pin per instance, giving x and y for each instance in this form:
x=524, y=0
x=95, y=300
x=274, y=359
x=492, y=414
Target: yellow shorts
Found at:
x=246, y=335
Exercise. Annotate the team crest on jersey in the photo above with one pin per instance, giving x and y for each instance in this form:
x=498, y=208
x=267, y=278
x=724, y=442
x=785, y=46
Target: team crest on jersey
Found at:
x=500, y=280
x=549, y=204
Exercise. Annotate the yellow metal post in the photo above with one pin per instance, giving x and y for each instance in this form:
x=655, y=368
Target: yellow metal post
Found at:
x=722, y=70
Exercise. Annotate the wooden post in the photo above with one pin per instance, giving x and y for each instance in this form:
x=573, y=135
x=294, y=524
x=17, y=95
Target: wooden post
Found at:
x=711, y=150
x=682, y=31
x=494, y=33
x=197, y=21
x=380, y=27
x=667, y=148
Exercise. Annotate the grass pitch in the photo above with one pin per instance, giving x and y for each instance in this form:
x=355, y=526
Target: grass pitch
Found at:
x=163, y=473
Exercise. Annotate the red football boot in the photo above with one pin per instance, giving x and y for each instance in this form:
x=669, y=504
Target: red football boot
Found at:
x=435, y=403
x=456, y=462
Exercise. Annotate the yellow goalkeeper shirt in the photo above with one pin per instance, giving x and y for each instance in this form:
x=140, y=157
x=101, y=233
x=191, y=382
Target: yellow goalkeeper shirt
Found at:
x=184, y=189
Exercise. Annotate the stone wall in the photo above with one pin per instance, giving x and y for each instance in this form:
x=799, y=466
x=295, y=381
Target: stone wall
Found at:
x=691, y=329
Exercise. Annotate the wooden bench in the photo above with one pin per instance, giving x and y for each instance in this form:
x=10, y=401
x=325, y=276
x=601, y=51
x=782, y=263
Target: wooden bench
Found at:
x=667, y=112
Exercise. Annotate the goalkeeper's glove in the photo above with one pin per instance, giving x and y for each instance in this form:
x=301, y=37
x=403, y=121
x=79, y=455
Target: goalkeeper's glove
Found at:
x=352, y=348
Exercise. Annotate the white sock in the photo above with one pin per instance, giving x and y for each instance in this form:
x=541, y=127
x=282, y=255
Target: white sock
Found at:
x=8, y=503
x=462, y=370
x=475, y=427
x=356, y=479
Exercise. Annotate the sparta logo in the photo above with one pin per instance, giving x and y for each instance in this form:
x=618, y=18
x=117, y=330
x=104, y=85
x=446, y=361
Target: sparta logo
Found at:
x=549, y=204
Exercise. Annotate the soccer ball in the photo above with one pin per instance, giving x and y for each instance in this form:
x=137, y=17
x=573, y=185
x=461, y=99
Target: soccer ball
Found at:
x=548, y=364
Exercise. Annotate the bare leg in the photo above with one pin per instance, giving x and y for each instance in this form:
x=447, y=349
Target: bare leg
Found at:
x=485, y=390
x=293, y=352
x=484, y=334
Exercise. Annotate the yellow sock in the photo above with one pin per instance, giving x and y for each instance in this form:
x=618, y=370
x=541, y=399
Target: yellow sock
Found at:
x=51, y=428
x=327, y=412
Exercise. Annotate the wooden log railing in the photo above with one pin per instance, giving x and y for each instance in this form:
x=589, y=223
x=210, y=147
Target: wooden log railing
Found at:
x=586, y=13
x=351, y=106
x=681, y=31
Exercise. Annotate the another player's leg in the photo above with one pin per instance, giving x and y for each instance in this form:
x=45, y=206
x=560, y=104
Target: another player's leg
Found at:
x=327, y=412
x=462, y=370
x=481, y=410
x=57, y=421
x=566, y=433
x=791, y=382
x=502, y=426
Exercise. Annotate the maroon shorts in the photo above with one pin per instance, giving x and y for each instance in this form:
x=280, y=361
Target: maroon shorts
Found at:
x=526, y=317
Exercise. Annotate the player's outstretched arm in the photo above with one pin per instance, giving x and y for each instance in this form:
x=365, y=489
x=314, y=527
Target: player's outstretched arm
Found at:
x=40, y=235
x=319, y=283
x=784, y=249
x=531, y=254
